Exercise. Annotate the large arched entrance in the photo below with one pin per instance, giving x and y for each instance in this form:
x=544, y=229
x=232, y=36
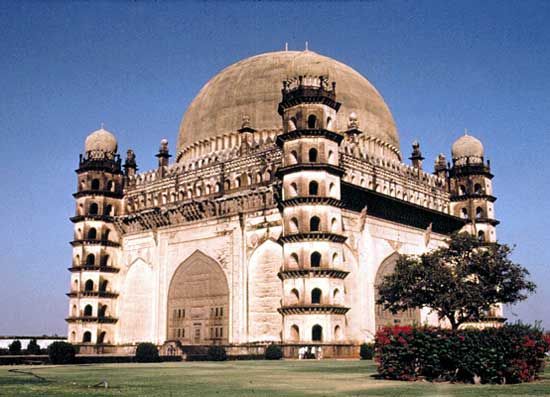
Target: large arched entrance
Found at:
x=198, y=302
x=385, y=317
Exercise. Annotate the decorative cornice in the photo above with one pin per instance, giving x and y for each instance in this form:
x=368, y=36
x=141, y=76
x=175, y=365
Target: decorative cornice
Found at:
x=101, y=193
x=331, y=169
x=312, y=273
x=92, y=319
x=308, y=133
x=468, y=196
x=312, y=236
x=88, y=217
x=307, y=200
x=107, y=243
x=313, y=309
x=96, y=294
x=104, y=269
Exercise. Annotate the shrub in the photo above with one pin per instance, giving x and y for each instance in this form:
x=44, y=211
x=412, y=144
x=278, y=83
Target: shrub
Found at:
x=15, y=347
x=510, y=354
x=61, y=353
x=216, y=353
x=273, y=352
x=366, y=351
x=147, y=353
x=33, y=347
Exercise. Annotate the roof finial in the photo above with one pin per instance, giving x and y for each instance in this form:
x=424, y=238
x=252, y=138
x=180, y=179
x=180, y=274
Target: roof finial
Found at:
x=307, y=49
x=286, y=46
x=465, y=131
x=102, y=125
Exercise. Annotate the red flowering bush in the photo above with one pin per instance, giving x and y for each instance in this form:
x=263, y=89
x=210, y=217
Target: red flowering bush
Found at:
x=510, y=354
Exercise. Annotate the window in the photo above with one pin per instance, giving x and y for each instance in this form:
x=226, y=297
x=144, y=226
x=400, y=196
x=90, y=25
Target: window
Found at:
x=336, y=297
x=314, y=224
x=315, y=259
x=110, y=186
x=104, y=260
x=89, y=285
x=334, y=225
x=481, y=235
x=312, y=155
x=462, y=190
x=92, y=234
x=102, y=311
x=294, y=296
x=95, y=184
x=479, y=212
x=101, y=337
x=294, y=225
x=293, y=157
x=313, y=188
x=88, y=310
x=464, y=213
x=294, y=262
x=337, y=333
x=293, y=191
x=478, y=189
x=108, y=209
x=295, y=333
x=94, y=209
x=90, y=260
x=103, y=286
x=87, y=337
x=311, y=121
x=317, y=333
x=315, y=296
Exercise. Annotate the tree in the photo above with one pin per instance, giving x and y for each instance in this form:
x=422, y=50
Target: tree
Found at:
x=33, y=347
x=15, y=347
x=147, y=352
x=461, y=282
x=61, y=353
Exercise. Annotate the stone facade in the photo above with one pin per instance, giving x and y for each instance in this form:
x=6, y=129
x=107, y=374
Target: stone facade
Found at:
x=261, y=235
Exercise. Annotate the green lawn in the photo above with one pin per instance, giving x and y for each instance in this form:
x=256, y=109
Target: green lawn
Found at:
x=241, y=378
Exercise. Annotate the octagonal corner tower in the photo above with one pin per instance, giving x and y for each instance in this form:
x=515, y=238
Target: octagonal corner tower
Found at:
x=252, y=88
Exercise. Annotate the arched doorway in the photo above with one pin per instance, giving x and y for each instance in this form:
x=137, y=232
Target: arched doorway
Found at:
x=383, y=317
x=198, y=302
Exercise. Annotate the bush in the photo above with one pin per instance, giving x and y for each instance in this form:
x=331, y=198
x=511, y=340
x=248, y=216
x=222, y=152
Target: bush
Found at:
x=366, y=351
x=510, y=354
x=216, y=353
x=61, y=353
x=273, y=352
x=15, y=347
x=33, y=347
x=147, y=353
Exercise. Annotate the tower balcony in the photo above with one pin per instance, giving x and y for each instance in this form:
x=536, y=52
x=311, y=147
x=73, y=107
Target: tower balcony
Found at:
x=330, y=168
x=317, y=200
x=90, y=217
x=95, y=192
x=309, y=133
x=307, y=89
x=107, y=243
x=312, y=236
x=92, y=294
x=93, y=268
x=92, y=319
x=312, y=309
x=312, y=273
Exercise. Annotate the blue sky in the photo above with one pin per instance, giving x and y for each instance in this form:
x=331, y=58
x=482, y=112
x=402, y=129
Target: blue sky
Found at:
x=66, y=67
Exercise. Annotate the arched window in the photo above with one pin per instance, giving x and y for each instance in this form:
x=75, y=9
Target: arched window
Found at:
x=312, y=155
x=315, y=296
x=94, y=209
x=294, y=225
x=294, y=261
x=90, y=260
x=330, y=156
x=314, y=224
x=293, y=158
x=336, y=296
x=481, y=235
x=337, y=333
x=87, y=337
x=101, y=337
x=89, y=286
x=329, y=123
x=88, y=310
x=317, y=333
x=313, y=188
x=478, y=189
x=107, y=210
x=104, y=260
x=293, y=190
x=103, y=286
x=464, y=213
x=462, y=190
x=92, y=234
x=479, y=212
x=106, y=234
x=331, y=189
x=334, y=225
x=73, y=337
x=335, y=259
x=227, y=184
x=102, y=311
x=311, y=121
x=95, y=184
x=294, y=333
x=294, y=297
x=315, y=259
x=110, y=186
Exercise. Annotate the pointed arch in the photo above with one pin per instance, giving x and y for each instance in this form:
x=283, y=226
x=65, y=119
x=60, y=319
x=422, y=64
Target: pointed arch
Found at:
x=385, y=317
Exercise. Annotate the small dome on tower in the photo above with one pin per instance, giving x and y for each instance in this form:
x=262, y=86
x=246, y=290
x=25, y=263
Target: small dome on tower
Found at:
x=101, y=140
x=467, y=146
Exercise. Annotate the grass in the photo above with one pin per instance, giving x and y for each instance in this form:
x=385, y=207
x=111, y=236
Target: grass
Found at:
x=238, y=378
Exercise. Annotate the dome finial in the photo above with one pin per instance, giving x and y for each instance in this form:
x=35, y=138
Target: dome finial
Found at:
x=465, y=131
x=286, y=46
x=307, y=46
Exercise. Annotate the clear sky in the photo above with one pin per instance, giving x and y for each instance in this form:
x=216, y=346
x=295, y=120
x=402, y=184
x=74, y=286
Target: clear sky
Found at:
x=66, y=67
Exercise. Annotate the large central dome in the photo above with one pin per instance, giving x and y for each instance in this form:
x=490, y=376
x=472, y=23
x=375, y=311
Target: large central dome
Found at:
x=253, y=86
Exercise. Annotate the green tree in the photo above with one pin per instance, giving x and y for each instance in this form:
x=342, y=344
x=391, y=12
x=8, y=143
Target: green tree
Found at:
x=461, y=282
x=32, y=347
x=15, y=347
